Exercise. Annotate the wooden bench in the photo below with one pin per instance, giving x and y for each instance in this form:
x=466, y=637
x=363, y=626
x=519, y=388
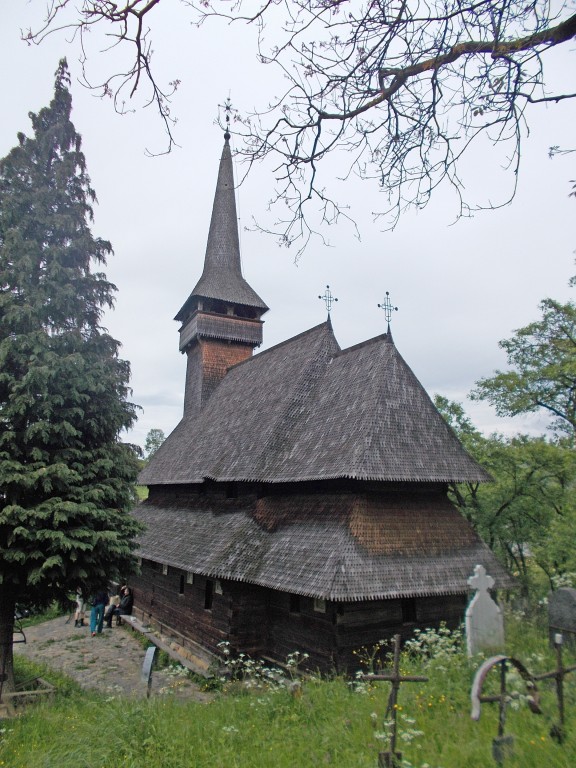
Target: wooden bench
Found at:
x=198, y=666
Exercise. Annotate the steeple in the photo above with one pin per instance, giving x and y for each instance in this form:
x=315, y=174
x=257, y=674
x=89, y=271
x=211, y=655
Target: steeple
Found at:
x=221, y=318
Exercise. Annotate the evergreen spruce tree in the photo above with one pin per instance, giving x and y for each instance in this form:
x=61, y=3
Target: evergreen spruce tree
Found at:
x=66, y=479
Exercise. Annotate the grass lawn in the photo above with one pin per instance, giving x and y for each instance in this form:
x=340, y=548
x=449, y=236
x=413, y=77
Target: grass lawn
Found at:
x=326, y=722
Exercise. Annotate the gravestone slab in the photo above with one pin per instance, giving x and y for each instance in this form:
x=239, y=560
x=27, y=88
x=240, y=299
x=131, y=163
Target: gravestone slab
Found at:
x=484, y=622
x=562, y=613
x=146, y=675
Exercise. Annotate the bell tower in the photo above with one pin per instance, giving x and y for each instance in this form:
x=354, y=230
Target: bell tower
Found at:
x=220, y=320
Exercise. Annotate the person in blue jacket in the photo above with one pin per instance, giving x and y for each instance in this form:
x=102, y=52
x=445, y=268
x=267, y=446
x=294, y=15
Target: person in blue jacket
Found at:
x=99, y=603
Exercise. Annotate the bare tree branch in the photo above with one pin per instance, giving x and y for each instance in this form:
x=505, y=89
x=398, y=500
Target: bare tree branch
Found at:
x=123, y=24
x=397, y=90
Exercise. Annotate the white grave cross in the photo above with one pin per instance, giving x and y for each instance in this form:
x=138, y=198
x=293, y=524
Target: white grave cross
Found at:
x=484, y=623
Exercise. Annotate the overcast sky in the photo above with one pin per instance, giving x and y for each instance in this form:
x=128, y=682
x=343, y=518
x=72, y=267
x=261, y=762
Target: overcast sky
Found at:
x=460, y=287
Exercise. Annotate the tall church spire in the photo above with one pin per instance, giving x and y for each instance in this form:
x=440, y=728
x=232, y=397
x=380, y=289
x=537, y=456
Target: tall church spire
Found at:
x=222, y=278
x=221, y=317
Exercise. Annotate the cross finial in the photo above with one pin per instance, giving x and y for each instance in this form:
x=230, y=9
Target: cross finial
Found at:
x=388, y=308
x=328, y=298
x=227, y=111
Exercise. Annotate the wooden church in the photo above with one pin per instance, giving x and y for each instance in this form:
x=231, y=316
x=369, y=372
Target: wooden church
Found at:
x=301, y=503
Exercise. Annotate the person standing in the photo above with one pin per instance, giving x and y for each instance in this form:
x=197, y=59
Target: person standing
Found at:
x=79, y=614
x=99, y=603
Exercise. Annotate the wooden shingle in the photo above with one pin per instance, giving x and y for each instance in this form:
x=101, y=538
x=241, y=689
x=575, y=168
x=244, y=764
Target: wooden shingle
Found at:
x=305, y=410
x=334, y=546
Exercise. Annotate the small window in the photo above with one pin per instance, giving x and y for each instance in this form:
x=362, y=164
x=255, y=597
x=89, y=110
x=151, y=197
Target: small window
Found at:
x=189, y=578
x=319, y=605
x=218, y=588
x=408, y=610
x=181, y=587
x=164, y=569
x=208, y=595
x=294, y=603
x=139, y=562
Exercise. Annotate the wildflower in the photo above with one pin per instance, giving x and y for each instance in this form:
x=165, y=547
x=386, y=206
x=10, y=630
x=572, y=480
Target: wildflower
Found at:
x=408, y=720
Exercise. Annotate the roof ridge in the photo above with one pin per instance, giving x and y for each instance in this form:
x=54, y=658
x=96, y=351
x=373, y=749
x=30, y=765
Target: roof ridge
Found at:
x=325, y=325
x=367, y=342
x=301, y=398
x=376, y=390
x=259, y=355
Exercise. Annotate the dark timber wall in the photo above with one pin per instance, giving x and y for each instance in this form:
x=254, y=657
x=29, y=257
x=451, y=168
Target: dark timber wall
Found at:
x=264, y=622
x=363, y=624
x=207, y=611
x=168, y=599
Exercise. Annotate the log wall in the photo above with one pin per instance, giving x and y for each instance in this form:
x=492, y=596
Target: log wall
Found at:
x=264, y=622
x=238, y=614
x=307, y=631
x=363, y=624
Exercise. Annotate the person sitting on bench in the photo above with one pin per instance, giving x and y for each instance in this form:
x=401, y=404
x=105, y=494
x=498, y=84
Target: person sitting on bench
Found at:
x=114, y=602
x=124, y=608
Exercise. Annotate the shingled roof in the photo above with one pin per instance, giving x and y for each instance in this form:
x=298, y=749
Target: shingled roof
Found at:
x=306, y=410
x=334, y=546
x=222, y=276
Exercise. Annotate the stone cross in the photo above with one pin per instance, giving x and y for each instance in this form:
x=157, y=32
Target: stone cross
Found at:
x=484, y=623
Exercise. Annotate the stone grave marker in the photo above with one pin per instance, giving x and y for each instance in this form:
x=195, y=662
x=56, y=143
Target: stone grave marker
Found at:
x=484, y=622
x=147, y=668
x=562, y=614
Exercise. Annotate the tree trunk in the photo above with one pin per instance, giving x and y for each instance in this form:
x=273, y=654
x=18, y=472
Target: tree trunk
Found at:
x=7, y=607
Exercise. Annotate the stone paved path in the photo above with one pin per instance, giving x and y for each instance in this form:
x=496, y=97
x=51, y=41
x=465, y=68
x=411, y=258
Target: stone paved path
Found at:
x=110, y=662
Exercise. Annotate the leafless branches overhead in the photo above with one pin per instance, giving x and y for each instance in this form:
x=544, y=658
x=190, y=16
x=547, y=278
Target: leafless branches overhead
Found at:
x=401, y=87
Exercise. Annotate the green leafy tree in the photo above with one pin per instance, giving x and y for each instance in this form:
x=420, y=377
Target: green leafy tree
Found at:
x=154, y=440
x=542, y=375
x=66, y=480
x=524, y=515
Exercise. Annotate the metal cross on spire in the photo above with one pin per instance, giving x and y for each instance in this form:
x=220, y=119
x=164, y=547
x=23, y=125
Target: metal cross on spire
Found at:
x=227, y=106
x=388, y=308
x=328, y=298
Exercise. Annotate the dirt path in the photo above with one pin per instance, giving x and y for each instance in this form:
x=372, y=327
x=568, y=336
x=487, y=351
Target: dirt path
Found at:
x=110, y=662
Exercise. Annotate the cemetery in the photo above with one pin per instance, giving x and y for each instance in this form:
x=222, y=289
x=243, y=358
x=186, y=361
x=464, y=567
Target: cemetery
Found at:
x=425, y=702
